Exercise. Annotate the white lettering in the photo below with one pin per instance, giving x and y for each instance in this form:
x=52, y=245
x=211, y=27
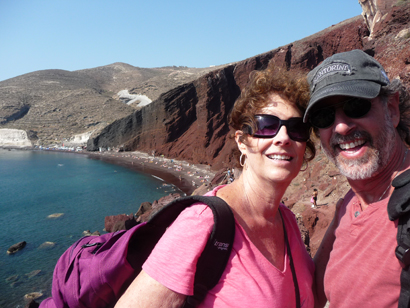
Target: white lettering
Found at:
x=221, y=246
x=331, y=69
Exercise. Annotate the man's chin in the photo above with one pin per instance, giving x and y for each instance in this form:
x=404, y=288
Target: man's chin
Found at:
x=357, y=170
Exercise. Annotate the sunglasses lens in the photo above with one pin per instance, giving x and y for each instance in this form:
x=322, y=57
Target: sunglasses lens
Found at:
x=323, y=118
x=298, y=130
x=354, y=108
x=357, y=108
x=267, y=126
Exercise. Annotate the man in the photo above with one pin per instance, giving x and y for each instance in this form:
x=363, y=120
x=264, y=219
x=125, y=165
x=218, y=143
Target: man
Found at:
x=363, y=128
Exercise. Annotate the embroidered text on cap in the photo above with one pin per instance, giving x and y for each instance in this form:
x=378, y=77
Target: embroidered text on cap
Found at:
x=331, y=69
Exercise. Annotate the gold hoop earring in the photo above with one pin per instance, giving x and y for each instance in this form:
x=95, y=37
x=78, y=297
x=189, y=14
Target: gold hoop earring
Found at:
x=240, y=160
x=307, y=164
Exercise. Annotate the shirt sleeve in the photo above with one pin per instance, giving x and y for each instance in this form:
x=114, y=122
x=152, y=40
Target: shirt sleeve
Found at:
x=173, y=260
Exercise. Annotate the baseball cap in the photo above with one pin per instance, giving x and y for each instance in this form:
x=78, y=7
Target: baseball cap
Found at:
x=352, y=73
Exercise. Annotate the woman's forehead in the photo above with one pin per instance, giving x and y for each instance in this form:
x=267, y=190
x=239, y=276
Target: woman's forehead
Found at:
x=278, y=104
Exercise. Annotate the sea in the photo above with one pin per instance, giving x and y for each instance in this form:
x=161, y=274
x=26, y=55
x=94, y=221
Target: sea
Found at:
x=80, y=190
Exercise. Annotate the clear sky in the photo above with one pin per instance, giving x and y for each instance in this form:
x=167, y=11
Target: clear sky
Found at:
x=80, y=34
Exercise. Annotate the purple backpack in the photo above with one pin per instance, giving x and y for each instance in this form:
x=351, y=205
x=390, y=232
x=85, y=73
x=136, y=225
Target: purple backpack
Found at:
x=96, y=270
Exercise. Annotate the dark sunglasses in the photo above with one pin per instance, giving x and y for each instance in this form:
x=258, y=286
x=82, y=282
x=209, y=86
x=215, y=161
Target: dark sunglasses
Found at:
x=353, y=108
x=269, y=126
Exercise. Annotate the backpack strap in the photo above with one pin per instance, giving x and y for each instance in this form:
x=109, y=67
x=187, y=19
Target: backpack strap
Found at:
x=399, y=208
x=215, y=256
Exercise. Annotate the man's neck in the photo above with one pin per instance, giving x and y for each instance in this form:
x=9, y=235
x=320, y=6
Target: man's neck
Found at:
x=378, y=187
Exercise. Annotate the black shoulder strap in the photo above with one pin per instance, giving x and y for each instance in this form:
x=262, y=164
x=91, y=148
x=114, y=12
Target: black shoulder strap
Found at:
x=214, y=258
x=399, y=208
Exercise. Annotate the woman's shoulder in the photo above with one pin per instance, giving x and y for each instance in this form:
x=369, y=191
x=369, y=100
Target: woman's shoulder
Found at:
x=286, y=211
x=288, y=216
x=198, y=212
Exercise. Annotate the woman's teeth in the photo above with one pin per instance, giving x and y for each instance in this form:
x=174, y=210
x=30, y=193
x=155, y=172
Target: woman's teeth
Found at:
x=279, y=157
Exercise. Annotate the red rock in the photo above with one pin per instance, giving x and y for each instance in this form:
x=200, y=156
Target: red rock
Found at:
x=110, y=221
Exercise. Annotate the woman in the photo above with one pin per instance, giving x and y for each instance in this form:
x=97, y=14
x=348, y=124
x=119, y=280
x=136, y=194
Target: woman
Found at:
x=274, y=143
x=313, y=200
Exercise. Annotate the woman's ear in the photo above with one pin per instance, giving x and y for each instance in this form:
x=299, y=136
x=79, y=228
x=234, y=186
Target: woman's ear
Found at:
x=239, y=135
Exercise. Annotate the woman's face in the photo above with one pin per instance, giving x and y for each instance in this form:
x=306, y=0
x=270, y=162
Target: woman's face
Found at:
x=277, y=159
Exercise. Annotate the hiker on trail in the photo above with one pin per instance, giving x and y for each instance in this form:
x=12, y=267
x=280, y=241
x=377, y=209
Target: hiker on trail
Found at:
x=313, y=200
x=268, y=264
x=364, y=130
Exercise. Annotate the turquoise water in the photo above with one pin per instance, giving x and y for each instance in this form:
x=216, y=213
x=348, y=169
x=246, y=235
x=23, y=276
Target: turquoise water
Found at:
x=36, y=184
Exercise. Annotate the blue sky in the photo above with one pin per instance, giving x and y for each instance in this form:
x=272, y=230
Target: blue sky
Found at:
x=80, y=34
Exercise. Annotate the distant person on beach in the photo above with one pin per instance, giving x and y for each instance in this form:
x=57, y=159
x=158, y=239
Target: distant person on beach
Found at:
x=363, y=123
x=269, y=264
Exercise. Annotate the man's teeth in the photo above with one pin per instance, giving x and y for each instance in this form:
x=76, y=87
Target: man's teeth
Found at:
x=347, y=146
x=280, y=157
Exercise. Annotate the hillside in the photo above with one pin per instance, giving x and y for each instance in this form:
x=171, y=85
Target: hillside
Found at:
x=55, y=105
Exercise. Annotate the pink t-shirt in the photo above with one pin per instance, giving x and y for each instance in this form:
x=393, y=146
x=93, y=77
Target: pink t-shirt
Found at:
x=363, y=270
x=249, y=279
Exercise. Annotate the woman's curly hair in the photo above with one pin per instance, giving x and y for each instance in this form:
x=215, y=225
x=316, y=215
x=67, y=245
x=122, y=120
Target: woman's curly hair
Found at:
x=290, y=85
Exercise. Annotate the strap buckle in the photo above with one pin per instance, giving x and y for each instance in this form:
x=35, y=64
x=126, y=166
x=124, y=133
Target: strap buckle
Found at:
x=403, y=254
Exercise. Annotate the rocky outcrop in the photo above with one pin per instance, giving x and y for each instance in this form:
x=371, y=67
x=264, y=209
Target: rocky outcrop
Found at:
x=118, y=222
x=15, y=138
x=146, y=211
x=16, y=247
x=144, y=207
x=374, y=11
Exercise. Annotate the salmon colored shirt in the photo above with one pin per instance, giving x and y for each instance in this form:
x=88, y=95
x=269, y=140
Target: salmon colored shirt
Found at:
x=249, y=279
x=363, y=270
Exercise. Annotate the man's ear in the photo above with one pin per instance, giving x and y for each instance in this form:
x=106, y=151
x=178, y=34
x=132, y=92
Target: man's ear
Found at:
x=393, y=108
x=238, y=139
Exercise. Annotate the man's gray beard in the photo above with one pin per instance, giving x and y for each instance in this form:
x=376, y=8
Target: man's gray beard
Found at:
x=374, y=161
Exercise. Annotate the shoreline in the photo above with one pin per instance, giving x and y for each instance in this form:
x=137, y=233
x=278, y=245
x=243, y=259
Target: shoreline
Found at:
x=185, y=176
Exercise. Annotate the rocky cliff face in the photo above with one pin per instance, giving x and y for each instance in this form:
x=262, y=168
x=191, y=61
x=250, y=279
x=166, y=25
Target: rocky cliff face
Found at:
x=190, y=122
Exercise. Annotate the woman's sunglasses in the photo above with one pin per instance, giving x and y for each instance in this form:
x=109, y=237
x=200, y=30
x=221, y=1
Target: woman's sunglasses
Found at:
x=269, y=126
x=353, y=108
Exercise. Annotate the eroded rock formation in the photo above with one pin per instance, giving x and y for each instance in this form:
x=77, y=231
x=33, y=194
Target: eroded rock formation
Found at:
x=374, y=11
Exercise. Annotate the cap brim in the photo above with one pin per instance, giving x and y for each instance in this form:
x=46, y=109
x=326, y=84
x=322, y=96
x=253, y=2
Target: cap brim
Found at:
x=352, y=88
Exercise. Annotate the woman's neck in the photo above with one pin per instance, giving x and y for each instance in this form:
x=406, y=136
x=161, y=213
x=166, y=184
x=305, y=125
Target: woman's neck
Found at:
x=259, y=202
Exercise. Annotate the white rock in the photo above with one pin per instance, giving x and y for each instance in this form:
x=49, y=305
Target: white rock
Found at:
x=14, y=138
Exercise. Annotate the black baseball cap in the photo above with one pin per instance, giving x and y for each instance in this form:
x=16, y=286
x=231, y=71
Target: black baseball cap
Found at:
x=352, y=73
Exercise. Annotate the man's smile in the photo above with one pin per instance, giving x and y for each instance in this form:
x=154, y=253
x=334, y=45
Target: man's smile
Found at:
x=352, y=144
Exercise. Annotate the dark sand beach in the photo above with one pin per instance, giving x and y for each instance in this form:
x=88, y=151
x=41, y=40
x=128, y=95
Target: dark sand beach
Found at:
x=187, y=177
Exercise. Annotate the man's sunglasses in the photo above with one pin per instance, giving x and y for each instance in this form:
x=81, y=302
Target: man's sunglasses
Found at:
x=353, y=108
x=269, y=126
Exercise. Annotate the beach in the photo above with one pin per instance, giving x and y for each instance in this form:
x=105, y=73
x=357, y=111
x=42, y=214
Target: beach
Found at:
x=186, y=176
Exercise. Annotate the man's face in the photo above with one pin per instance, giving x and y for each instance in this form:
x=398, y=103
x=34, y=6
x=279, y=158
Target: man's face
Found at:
x=359, y=147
